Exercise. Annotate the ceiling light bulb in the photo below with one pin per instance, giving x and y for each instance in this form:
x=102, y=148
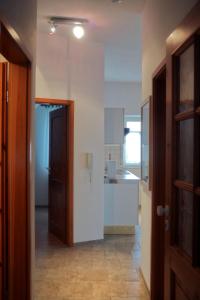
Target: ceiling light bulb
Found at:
x=78, y=32
x=52, y=28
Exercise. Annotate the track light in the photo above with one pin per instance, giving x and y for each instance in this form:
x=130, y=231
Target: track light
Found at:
x=77, y=24
x=52, y=28
x=78, y=32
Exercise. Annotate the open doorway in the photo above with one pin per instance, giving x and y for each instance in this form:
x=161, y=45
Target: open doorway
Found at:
x=122, y=152
x=54, y=172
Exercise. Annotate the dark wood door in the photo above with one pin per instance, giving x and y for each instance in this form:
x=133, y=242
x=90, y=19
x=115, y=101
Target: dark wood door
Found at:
x=58, y=173
x=14, y=275
x=17, y=183
x=158, y=117
x=182, y=272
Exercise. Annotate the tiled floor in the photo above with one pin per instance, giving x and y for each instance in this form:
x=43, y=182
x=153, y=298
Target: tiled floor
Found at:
x=101, y=270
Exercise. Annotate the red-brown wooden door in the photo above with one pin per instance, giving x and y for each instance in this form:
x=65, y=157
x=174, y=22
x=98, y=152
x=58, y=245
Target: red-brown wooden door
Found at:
x=15, y=106
x=182, y=268
x=58, y=173
x=17, y=183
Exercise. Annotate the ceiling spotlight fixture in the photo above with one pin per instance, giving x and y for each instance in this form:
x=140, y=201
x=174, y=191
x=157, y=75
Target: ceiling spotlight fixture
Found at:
x=78, y=32
x=77, y=24
x=52, y=28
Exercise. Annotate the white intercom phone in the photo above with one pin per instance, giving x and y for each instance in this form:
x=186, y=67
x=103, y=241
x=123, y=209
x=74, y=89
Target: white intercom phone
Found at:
x=89, y=164
x=89, y=161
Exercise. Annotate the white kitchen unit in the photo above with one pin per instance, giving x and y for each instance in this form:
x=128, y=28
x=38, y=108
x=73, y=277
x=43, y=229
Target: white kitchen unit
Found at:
x=114, y=126
x=121, y=201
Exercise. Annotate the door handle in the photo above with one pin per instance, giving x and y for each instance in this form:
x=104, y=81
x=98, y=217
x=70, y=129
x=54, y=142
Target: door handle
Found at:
x=162, y=211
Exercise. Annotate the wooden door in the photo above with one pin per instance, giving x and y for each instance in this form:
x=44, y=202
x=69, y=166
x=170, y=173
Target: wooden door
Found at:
x=15, y=174
x=58, y=173
x=158, y=117
x=182, y=273
x=17, y=186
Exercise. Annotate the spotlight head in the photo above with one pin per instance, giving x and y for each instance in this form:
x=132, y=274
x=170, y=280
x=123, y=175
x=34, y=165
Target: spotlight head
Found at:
x=77, y=23
x=78, y=32
x=52, y=29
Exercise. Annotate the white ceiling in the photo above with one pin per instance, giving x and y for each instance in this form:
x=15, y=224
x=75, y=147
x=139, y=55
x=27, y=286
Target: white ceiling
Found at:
x=117, y=26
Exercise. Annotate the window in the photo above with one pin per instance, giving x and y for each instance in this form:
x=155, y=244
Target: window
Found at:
x=132, y=146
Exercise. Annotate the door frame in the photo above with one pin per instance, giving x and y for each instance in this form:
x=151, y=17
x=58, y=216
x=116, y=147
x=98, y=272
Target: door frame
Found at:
x=13, y=53
x=70, y=164
x=158, y=198
x=3, y=183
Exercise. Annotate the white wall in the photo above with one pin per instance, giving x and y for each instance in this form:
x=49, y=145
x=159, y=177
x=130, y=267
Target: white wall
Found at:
x=123, y=94
x=159, y=19
x=78, y=73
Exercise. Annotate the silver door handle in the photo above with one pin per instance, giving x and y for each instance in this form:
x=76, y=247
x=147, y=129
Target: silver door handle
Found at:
x=162, y=211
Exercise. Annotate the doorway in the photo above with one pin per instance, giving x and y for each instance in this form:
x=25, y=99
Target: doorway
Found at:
x=54, y=131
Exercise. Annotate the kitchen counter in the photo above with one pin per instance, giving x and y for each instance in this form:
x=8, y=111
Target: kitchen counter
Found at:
x=122, y=176
x=121, y=202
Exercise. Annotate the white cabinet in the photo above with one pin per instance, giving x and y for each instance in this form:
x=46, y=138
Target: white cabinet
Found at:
x=121, y=204
x=114, y=126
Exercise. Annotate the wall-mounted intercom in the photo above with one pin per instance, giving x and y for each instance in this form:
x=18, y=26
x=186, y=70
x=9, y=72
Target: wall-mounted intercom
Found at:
x=89, y=164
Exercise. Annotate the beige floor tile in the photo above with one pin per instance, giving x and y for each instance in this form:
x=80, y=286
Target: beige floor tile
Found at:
x=96, y=274
x=76, y=289
x=90, y=298
x=49, y=298
x=118, y=289
x=46, y=289
x=101, y=289
x=136, y=289
x=130, y=298
x=124, y=275
x=99, y=270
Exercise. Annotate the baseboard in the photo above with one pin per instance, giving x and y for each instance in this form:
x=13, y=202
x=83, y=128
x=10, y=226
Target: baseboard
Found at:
x=143, y=279
x=119, y=229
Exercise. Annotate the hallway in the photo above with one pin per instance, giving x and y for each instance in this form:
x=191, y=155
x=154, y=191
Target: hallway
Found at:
x=101, y=270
